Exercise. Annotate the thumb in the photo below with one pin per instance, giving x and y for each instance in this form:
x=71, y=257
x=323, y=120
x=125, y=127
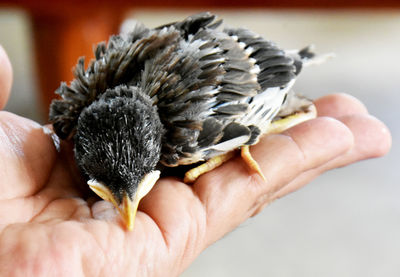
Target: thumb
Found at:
x=5, y=77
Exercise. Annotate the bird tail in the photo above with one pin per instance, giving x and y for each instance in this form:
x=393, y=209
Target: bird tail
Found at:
x=308, y=57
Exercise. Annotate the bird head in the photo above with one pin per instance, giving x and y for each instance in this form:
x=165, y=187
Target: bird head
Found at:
x=118, y=145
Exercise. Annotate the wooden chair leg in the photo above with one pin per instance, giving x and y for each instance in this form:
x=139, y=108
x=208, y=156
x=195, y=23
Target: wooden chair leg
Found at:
x=60, y=41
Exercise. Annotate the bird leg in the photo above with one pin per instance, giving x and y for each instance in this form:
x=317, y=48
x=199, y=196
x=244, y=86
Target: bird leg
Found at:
x=209, y=165
x=248, y=159
x=292, y=119
x=275, y=127
x=216, y=161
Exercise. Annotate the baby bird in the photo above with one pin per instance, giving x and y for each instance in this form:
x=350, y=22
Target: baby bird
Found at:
x=179, y=94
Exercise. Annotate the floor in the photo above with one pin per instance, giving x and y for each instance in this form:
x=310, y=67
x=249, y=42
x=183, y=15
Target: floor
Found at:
x=346, y=222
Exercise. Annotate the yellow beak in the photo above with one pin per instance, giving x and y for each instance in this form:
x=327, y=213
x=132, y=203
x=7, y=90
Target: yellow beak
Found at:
x=128, y=207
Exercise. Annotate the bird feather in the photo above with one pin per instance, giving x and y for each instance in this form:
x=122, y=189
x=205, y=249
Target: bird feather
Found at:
x=215, y=90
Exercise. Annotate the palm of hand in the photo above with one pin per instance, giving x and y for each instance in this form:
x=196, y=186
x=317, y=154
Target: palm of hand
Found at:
x=49, y=223
x=47, y=219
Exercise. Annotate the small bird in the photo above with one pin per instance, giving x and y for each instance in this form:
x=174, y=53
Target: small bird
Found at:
x=180, y=94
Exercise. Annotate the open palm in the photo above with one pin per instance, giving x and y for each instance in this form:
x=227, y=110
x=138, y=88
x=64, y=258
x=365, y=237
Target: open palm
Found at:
x=50, y=223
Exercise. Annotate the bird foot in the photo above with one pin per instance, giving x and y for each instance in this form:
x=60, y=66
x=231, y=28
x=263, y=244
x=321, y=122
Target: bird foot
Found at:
x=209, y=165
x=251, y=163
x=192, y=175
x=291, y=120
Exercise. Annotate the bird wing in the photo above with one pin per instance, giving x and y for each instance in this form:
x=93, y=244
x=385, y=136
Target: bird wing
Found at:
x=276, y=74
x=215, y=90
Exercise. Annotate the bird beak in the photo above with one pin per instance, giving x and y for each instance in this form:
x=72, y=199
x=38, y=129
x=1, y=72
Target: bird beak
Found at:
x=128, y=206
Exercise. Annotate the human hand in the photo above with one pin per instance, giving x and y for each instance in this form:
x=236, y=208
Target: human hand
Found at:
x=50, y=224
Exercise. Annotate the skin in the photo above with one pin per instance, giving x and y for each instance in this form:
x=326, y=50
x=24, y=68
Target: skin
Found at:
x=50, y=225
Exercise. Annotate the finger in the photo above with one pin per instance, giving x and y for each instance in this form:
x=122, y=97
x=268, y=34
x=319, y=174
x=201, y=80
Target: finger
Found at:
x=178, y=214
x=333, y=105
x=371, y=139
x=27, y=154
x=5, y=77
x=340, y=104
x=230, y=194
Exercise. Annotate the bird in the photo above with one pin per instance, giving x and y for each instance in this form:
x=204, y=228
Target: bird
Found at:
x=184, y=93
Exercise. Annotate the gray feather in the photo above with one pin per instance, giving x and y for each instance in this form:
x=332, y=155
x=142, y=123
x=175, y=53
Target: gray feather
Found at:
x=214, y=90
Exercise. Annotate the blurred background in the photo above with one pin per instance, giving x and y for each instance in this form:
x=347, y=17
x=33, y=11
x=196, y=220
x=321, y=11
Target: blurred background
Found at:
x=346, y=222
